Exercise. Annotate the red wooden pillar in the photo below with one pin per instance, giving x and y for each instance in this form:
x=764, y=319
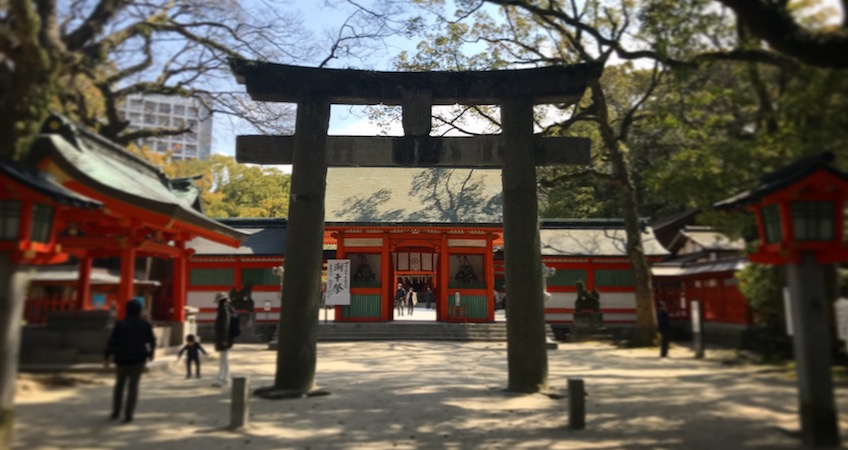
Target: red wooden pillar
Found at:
x=444, y=277
x=84, y=285
x=489, y=265
x=340, y=254
x=590, y=274
x=388, y=285
x=178, y=288
x=25, y=226
x=125, y=290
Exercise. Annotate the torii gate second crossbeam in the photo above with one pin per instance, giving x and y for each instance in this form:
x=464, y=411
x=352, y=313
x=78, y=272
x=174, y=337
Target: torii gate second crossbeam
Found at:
x=310, y=151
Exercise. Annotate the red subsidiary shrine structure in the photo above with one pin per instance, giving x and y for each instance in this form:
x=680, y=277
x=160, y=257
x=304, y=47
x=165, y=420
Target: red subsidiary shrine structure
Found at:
x=799, y=208
x=702, y=268
x=122, y=209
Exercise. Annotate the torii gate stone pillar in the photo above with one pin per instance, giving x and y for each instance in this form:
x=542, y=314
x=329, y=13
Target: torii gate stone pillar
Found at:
x=310, y=151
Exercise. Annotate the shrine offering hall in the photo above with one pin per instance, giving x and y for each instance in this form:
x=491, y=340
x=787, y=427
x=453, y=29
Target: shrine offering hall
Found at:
x=422, y=227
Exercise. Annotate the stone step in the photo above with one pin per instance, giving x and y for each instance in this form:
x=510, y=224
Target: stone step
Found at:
x=459, y=332
x=405, y=331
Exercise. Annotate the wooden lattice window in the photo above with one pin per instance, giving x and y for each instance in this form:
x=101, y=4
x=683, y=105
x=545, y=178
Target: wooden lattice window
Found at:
x=42, y=222
x=259, y=277
x=10, y=220
x=612, y=277
x=568, y=277
x=212, y=277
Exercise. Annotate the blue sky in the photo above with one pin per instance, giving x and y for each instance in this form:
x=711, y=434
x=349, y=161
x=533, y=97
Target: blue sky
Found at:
x=344, y=120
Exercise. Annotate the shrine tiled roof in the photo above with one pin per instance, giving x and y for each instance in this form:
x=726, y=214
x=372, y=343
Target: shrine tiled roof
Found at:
x=592, y=237
x=559, y=237
x=404, y=195
x=783, y=177
x=707, y=239
x=113, y=174
x=44, y=184
x=264, y=237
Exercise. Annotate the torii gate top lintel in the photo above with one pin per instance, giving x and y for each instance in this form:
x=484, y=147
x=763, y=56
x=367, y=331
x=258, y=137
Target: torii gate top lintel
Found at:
x=291, y=84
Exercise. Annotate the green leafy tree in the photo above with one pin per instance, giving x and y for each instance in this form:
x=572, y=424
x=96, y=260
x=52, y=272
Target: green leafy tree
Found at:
x=542, y=35
x=227, y=188
x=761, y=287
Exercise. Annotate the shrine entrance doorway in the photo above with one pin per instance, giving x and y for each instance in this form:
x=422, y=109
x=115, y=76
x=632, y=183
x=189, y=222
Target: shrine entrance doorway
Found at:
x=416, y=269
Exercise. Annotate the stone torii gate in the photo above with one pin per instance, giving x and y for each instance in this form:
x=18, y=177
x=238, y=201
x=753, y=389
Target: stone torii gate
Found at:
x=310, y=151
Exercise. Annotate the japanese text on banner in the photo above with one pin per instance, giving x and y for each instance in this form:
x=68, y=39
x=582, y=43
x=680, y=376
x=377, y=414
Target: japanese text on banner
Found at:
x=338, y=282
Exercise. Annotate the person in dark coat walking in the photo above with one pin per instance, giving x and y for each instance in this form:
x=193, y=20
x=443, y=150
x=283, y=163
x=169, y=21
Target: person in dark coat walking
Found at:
x=223, y=338
x=193, y=350
x=664, y=328
x=400, y=299
x=131, y=343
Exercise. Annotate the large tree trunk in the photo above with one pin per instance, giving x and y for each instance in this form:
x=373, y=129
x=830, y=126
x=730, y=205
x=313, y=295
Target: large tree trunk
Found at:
x=646, y=327
x=27, y=80
x=645, y=330
x=527, y=357
x=12, y=284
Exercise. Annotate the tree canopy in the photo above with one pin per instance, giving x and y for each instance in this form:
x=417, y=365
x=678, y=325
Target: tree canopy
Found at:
x=83, y=58
x=693, y=106
x=227, y=188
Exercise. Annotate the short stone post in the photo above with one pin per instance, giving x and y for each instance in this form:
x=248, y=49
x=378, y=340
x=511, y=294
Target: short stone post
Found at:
x=698, y=328
x=239, y=403
x=576, y=404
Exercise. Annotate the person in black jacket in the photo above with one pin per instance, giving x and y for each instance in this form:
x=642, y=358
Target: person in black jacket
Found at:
x=400, y=299
x=223, y=339
x=664, y=328
x=193, y=350
x=132, y=344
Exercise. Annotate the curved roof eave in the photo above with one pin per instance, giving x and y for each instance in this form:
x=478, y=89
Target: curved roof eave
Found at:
x=61, y=152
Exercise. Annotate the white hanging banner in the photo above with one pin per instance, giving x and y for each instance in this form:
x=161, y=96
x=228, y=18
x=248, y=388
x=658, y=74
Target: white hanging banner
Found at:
x=841, y=308
x=338, y=282
x=787, y=307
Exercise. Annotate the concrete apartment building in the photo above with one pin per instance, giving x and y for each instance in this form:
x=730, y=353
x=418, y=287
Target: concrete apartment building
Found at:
x=147, y=111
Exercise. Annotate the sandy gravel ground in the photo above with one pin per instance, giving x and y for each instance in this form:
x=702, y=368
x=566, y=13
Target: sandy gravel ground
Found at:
x=435, y=395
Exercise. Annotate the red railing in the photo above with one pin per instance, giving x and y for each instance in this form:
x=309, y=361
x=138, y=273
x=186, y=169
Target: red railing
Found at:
x=37, y=307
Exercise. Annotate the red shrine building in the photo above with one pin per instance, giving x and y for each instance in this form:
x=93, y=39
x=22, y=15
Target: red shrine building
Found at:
x=436, y=228
x=124, y=213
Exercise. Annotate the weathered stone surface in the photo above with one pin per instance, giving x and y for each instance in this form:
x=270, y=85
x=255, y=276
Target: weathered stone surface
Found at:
x=527, y=359
x=576, y=404
x=298, y=327
x=284, y=83
x=455, y=152
x=80, y=320
x=239, y=404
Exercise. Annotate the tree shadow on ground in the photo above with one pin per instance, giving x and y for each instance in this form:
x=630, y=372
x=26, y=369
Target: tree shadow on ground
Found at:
x=440, y=395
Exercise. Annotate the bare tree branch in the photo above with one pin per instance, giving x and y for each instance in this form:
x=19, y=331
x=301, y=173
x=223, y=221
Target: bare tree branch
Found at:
x=134, y=136
x=105, y=11
x=773, y=22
